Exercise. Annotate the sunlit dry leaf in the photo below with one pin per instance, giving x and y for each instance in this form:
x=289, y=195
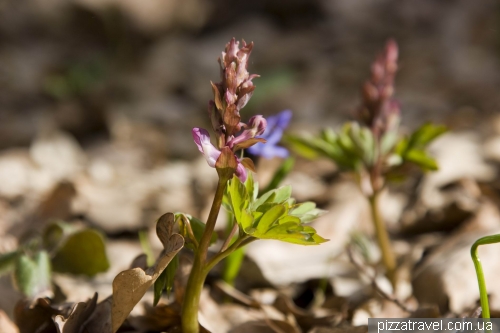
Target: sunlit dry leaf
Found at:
x=130, y=286
x=58, y=203
x=79, y=314
x=6, y=325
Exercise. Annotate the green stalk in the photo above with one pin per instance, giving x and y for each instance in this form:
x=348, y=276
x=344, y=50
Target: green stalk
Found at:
x=388, y=258
x=199, y=272
x=483, y=294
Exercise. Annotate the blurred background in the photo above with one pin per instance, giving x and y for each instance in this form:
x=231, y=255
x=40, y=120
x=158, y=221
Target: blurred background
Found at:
x=86, y=66
x=98, y=98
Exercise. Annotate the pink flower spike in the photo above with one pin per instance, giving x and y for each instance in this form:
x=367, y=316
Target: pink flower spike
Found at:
x=202, y=140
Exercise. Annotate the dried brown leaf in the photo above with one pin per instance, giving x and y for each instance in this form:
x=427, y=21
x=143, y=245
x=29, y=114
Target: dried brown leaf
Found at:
x=217, y=96
x=29, y=317
x=130, y=286
x=101, y=318
x=79, y=314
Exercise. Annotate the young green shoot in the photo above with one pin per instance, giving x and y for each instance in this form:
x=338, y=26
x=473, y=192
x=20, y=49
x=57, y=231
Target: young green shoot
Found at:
x=483, y=294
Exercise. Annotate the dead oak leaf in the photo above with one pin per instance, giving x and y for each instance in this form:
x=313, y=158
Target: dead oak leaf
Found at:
x=130, y=286
x=79, y=314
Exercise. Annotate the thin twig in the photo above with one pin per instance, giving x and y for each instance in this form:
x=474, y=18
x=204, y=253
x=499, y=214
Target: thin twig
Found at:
x=374, y=283
x=248, y=301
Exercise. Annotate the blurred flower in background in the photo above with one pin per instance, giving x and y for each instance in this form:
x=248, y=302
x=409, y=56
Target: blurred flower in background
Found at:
x=274, y=131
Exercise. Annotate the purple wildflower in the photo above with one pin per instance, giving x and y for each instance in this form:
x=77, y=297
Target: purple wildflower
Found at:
x=202, y=140
x=274, y=131
x=230, y=96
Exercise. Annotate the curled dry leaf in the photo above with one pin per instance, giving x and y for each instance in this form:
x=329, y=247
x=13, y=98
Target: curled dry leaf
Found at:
x=79, y=314
x=130, y=286
x=30, y=316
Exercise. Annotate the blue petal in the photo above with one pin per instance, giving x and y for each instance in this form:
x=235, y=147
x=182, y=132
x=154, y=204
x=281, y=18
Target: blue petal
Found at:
x=284, y=118
x=274, y=137
x=274, y=151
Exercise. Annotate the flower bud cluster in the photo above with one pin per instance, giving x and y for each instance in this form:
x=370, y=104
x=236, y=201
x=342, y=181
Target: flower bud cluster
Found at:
x=380, y=111
x=233, y=92
x=230, y=96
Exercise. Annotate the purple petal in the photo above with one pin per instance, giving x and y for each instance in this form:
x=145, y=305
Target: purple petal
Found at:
x=202, y=140
x=200, y=135
x=241, y=172
x=256, y=126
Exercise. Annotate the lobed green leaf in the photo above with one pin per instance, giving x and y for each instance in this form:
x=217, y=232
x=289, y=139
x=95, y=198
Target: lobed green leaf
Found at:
x=82, y=252
x=306, y=211
x=274, y=215
x=270, y=217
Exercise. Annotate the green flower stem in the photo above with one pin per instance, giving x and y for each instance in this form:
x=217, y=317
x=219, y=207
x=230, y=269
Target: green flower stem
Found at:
x=199, y=272
x=483, y=294
x=388, y=258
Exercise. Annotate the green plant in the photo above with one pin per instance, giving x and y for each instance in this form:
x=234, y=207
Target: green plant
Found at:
x=372, y=148
x=234, y=260
x=61, y=248
x=272, y=215
x=483, y=294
